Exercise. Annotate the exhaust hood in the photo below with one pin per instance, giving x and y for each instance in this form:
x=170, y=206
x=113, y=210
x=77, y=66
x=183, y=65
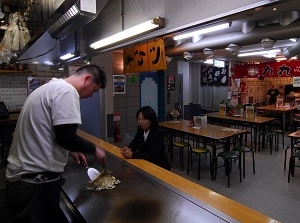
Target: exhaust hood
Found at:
x=70, y=16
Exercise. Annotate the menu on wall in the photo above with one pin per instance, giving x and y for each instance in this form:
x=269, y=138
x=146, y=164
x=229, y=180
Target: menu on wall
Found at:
x=211, y=75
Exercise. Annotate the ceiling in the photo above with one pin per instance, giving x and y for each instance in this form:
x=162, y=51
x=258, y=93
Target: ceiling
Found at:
x=278, y=22
x=259, y=23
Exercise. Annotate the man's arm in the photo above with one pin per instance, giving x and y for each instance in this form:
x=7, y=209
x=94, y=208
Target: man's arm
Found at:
x=67, y=138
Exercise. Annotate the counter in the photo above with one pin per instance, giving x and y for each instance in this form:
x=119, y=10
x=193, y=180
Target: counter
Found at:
x=148, y=193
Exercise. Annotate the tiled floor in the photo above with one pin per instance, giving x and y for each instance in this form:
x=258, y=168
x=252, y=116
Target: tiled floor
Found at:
x=266, y=191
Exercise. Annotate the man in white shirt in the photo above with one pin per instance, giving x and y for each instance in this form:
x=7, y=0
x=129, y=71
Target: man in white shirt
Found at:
x=44, y=137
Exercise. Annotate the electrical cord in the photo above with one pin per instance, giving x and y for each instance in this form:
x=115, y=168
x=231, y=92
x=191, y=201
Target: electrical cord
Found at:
x=30, y=58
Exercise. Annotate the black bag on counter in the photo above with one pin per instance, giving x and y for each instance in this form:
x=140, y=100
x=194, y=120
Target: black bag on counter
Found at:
x=3, y=111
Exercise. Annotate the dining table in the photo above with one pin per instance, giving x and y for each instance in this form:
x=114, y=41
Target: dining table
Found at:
x=210, y=134
x=285, y=111
x=256, y=123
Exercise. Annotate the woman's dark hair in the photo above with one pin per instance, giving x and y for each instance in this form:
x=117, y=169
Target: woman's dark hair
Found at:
x=99, y=76
x=149, y=114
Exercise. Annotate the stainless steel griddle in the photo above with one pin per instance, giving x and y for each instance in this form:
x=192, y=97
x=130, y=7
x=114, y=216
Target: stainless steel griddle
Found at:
x=139, y=197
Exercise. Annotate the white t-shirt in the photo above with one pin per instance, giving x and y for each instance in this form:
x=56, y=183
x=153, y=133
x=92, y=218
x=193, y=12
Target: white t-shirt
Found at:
x=34, y=148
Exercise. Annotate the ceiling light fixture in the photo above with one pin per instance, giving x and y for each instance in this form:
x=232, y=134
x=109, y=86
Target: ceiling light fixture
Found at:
x=152, y=24
x=209, y=61
x=267, y=43
x=234, y=48
x=202, y=31
x=67, y=56
x=262, y=52
x=208, y=51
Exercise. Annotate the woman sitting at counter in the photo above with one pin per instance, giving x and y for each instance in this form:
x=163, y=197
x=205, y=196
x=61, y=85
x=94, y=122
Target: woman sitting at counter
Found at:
x=148, y=142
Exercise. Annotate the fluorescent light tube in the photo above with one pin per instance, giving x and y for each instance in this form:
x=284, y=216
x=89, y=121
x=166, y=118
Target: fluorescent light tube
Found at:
x=209, y=61
x=202, y=31
x=67, y=56
x=133, y=31
x=264, y=52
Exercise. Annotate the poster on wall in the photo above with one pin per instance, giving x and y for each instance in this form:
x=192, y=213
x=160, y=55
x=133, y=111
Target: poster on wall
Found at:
x=171, y=83
x=119, y=84
x=296, y=81
x=211, y=75
x=35, y=82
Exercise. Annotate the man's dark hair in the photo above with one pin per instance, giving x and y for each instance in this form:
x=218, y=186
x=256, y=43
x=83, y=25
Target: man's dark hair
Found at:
x=148, y=113
x=99, y=76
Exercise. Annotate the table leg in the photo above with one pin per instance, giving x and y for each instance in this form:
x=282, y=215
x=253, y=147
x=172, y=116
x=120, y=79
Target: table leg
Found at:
x=171, y=146
x=213, y=158
x=292, y=168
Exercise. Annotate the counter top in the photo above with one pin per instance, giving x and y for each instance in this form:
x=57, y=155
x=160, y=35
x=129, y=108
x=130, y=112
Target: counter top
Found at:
x=153, y=193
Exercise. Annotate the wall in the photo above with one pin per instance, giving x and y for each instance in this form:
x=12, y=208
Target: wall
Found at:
x=171, y=96
x=184, y=68
x=208, y=96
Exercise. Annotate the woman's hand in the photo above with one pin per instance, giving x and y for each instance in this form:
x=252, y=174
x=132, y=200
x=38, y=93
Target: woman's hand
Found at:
x=126, y=152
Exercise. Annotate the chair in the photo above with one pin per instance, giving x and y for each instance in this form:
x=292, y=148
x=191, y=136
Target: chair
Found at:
x=244, y=150
x=199, y=151
x=292, y=165
x=228, y=158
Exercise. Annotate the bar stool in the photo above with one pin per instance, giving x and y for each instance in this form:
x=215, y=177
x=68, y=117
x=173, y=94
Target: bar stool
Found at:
x=167, y=140
x=228, y=158
x=278, y=132
x=199, y=151
x=181, y=145
x=296, y=149
x=269, y=136
x=292, y=165
x=244, y=150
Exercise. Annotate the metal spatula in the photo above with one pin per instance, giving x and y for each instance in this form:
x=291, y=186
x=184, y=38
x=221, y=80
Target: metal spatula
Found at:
x=92, y=172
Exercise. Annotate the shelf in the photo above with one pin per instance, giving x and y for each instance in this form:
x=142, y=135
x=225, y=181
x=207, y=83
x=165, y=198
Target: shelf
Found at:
x=17, y=72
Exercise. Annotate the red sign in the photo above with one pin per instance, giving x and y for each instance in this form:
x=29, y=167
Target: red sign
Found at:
x=269, y=69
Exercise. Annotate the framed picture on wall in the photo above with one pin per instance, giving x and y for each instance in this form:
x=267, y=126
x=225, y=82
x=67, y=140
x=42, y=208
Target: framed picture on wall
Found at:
x=171, y=83
x=119, y=84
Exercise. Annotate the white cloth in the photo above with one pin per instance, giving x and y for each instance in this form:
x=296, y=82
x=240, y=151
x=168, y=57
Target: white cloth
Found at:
x=34, y=148
x=146, y=135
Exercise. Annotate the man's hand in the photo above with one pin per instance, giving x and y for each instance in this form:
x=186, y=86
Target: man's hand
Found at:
x=78, y=157
x=100, y=155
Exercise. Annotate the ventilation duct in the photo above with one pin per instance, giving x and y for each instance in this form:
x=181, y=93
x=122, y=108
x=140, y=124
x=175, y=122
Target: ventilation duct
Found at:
x=249, y=26
x=274, y=31
x=288, y=17
x=292, y=51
